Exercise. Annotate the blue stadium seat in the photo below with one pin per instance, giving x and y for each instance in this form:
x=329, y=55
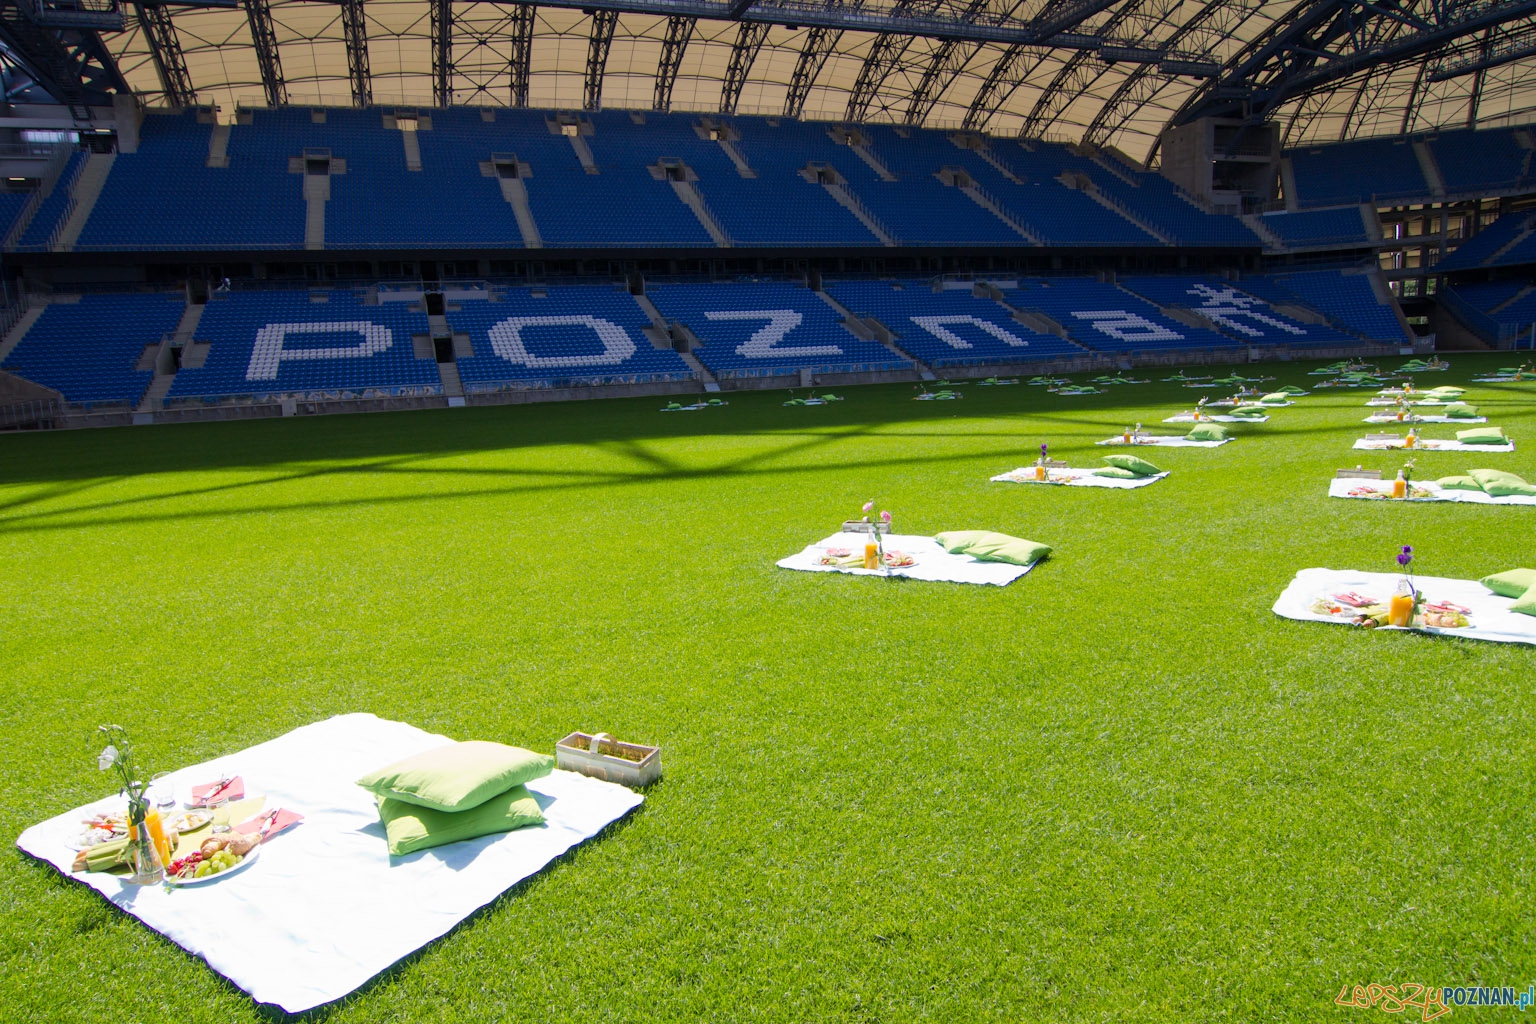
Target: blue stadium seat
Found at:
x=282, y=343
x=1357, y=172
x=949, y=327
x=1348, y=300
x=1337, y=226
x=1241, y=315
x=766, y=329
x=1110, y=319
x=87, y=350
x=583, y=333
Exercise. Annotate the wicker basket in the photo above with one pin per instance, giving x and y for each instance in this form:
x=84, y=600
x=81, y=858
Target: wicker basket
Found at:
x=608, y=766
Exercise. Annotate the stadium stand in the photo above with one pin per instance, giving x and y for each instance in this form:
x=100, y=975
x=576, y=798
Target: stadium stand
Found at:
x=915, y=211
x=87, y=350
x=768, y=329
x=166, y=197
x=52, y=209
x=585, y=333
x=284, y=342
x=1110, y=319
x=11, y=205
x=949, y=327
x=1495, y=245
x=1365, y=170
x=1302, y=229
x=1488, y=160
x=1349, y=301
x=1489, y=295
x=1239, y=315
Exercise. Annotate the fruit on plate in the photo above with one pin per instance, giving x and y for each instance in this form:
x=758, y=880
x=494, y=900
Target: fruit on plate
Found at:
x=218, y=853
x=898, y=558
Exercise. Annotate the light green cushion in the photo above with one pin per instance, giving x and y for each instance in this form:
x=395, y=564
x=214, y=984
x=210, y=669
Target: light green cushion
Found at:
x=1247, y=412
x=411, y=827
x=1482, y=435
x=1458, y=483
x=1292, y=389
x=1499, y=483
x=1208, y=432
x=987, y=546
x=1526, y=605
x=1275, y=398
x=1115, y=472
x=1447, y=389
x=457, y=776
x=1137, y=465
x=1461, y=412
x=1511, y=583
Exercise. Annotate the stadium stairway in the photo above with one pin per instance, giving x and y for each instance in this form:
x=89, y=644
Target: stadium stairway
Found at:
x=317, y=192
x=513, y=190
x=693, y=199
x=162, y=359
x=1086, y=185
x=21, y=327
x=1518, y=296
x=86, y=191
x=973, y=191
x=849, y=200
x=1429, y=168
x=874, y=330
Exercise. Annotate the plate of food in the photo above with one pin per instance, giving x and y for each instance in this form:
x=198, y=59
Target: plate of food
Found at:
x=191, y=821
x=216, y=859
x=899, y=559
x=101, y=828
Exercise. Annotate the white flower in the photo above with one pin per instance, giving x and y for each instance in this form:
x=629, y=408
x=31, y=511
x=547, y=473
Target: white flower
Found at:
x=107, y=758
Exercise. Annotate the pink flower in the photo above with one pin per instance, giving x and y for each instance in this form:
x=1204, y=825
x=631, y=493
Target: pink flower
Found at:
x=869, y=504
x=885, y=517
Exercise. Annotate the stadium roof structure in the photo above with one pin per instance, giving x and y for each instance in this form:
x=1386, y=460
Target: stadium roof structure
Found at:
x=1108, y=72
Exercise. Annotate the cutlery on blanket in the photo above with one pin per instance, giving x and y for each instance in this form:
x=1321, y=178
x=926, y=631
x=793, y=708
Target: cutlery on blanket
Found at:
x=269, y=819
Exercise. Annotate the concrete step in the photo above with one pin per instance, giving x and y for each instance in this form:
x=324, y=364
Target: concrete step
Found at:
x=218, y=146
x=412, y=151
x=701, y=370
x=453, y=386
x=317, y=192
x=984, y=199
x=153, y=399
x=84, y=195
x=853, y=204
x=695, y=201
x=1271, y=240
x=516, y=194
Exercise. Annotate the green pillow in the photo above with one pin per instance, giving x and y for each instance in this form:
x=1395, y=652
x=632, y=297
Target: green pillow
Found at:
x=1512, y=583
x=986, y=546
x=457, y=776
x=1447, y=389
x=1527, y=603
x=1482, y=435
x=1458, y=483
x=1461, y=411
x=411, y=827
x=1208, y=432
x=1292, y=389
x=1247, y=412
x=1139, y=466
x=1275, y=398
x=1499, y=483
x=1116, y=473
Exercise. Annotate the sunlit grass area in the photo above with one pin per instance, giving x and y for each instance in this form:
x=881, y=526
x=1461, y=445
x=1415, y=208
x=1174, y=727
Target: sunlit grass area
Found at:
x=1118, y=789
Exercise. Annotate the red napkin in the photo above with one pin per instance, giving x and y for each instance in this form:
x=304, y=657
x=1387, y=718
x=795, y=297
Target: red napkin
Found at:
x=232, y=792
x=283, y=819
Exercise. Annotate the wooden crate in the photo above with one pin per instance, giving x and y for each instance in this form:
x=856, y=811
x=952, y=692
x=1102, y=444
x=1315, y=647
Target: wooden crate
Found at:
x=601, y=761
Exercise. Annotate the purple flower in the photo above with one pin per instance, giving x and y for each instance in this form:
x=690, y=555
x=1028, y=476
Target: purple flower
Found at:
x=1042, y=449
x=1405, y=556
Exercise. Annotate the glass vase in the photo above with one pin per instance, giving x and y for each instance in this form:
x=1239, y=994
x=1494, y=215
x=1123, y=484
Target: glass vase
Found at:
x=144, y=864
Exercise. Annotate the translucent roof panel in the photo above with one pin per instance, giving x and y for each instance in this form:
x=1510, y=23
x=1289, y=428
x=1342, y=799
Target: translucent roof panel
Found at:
x=1047, y=91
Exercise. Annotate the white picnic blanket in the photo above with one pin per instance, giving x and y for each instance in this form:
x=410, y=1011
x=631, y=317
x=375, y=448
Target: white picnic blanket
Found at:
x=325, y=907
x=1074, y=478
x=1342, y=488
x=1185, y=417
x=930, y=561
x=1176, y=441
x=1428, y=403
x=1490, y=616
x=1431, y=445
x=1422, y=418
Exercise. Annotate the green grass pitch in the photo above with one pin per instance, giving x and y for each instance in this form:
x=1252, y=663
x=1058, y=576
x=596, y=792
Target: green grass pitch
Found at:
x=1119, y=789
